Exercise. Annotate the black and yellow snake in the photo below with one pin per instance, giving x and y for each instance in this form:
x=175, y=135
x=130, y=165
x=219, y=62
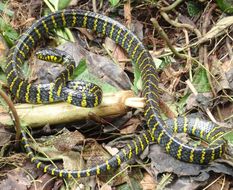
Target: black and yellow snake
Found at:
x=91, y=95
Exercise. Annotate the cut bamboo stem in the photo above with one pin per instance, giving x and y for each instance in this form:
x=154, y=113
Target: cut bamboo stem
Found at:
x=36, y=115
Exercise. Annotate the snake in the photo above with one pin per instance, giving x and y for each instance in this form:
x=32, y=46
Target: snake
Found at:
x=159, y=131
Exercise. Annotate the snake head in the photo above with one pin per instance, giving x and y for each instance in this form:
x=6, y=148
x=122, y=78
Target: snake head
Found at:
x=52, y=55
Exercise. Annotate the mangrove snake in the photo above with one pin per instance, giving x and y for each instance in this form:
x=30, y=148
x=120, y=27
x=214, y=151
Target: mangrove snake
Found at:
x=91, y=95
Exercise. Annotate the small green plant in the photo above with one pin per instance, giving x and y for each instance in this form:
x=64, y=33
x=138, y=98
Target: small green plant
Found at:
x=114, y=2
x=194, y=8
x=5, y=10
x=225, y=5
x=55, y=5
x=200, y=81
x=8, y=33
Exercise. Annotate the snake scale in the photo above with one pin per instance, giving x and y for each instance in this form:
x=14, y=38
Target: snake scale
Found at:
x=90, y=95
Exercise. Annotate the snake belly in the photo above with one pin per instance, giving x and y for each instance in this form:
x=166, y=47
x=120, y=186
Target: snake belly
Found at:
x=158, y=130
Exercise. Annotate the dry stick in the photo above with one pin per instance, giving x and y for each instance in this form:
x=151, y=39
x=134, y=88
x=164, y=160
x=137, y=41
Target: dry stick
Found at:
x=166, y=39
x=205, y=58
x=216, y=45
x=14, y=112
x=188, y=65
x=172, y=6
x=213, y=182
x=127, y=13
x=223, y=183
x=94, y=5
x=191, y=87
x=229, y=48
x=179, y=25
x=101, y=5
x=187, y=26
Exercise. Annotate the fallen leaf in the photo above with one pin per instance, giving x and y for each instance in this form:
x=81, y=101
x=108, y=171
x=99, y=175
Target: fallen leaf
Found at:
x=16, y=179
x=148, y=182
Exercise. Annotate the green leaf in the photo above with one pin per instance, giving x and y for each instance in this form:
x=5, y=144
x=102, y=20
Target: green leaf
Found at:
x=3, y=102
x=200, y=81
x=137, y=83
x=54, y=3
x=65, y=34
x=57, y=4
x=3, y=77
x=86, y=76
x=181, y=104
x=193, y=8
x=229, y=137
x=5, y=10
x=8, y=33
x=114, y=2
x=225, y=5
x=26, y=69
x=63, y=4
x=82, y=73
x=82, y=66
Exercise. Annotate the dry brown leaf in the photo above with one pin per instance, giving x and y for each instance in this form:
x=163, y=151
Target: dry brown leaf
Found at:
x=166, y=110
x=118, y=53
x=226, y=111
x=3, y=48
x=132, y=125
x=5, y=137
x=16, y=179
x=222, y=72
x=106, y=187
x=148, y=182
x=86, y=33
x=43, y=182
x=67, y=140
x=94, y=153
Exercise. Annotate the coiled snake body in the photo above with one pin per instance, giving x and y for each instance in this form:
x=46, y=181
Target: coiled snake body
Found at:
x=91, y=95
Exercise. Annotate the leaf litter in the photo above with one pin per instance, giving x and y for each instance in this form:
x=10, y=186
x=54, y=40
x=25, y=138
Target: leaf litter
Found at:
x=181, y=98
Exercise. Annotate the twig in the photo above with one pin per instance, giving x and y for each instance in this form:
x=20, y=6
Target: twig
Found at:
x=229, y=48
x=166, y=39
x=14, y=113
x=205, y=55
x=213, y=182
x=127, y=13
x=191, y=87
x=223, y=183
x=216, y=45
x=188, y=65
x=172, y=6
x=94, y=5
x=179, y=25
